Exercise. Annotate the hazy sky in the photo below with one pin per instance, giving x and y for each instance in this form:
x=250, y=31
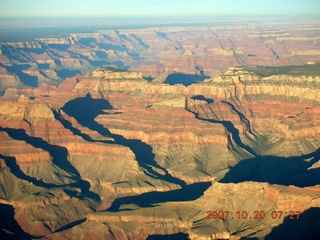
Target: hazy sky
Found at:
x=142, y=8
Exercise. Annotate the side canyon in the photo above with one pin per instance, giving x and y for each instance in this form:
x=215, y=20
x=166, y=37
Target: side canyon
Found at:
x=113, y=155
x=203, y=131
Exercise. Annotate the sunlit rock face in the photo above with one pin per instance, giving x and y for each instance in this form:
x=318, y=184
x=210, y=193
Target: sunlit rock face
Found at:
x=188, y=132
x=110, y=73
x=159, y=53
x=112, y=155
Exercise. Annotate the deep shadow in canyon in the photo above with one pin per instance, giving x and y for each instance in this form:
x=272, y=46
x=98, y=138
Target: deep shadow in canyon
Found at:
x=184, y=79
x=306, y=227
x=176, y=236
x=150, y=199
x=203, y=98
x=11, y=163
x=86, y=109
x=240, y=114
x=232, y=131
x=68, y=125
x=9, y=228
x=70, y=225
x=59, y=156
x=26, y=79
x=66, y=73
x=277, y=170
x=271, y=169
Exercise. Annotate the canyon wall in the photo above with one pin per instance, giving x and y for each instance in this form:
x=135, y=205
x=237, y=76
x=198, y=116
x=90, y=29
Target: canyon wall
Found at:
x=112, y=155
x=159, y=52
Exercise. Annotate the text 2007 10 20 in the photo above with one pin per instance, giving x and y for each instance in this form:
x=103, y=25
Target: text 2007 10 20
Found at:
x=275, y=214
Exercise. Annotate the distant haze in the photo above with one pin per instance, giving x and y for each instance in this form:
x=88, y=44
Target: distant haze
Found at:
x=153, y=8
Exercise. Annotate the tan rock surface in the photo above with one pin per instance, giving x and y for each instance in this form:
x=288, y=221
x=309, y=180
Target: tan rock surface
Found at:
x=159, y=51
x=162, y=154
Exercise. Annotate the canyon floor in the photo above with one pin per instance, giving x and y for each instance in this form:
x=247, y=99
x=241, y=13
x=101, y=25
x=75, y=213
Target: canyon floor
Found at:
x=202, y=132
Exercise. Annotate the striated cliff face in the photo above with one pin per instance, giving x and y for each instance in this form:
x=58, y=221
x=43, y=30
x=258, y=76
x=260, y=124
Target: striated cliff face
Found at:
x=160, y=52
x=109, y=74
x=192, y=218
x=26, y=109
x=112, y=155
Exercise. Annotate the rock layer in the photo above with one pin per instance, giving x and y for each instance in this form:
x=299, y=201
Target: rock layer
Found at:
x=112, y=155
x=157, y=52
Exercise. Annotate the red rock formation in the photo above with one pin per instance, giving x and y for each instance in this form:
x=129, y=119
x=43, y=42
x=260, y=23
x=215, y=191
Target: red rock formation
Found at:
x=158, y=52
x=190, y=217
x=98, y=142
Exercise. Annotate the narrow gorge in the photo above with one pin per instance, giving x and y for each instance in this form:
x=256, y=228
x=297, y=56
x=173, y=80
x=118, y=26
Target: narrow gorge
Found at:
x=113, y=155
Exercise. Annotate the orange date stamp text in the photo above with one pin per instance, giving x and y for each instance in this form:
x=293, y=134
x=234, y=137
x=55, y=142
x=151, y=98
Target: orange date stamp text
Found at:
x=275, y=214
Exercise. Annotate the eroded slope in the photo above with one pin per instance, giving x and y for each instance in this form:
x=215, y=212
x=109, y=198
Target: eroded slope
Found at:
x=124, y=158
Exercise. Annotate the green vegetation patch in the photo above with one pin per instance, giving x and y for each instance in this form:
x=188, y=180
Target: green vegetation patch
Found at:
x=295, y=70
x=113, y=69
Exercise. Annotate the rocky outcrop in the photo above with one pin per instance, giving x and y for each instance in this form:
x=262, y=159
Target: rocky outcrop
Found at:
x=53, y=40
x=220, y=87
x=306, y=53
x=120, y=75
x=28, y=44
x=247, y=209
x=26, y=109
x=228, y=52
x=300, y=39
x=159, y=52
x=250, y=198
x=128, y=158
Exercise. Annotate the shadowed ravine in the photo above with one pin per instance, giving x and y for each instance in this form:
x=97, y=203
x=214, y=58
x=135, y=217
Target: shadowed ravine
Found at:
x=9, y=228
x=184, y=79
x=86, y=109
x=15, y=170
x=179, y=236
x=271, y=169
x=277, y=170
x=188, y=193
x=59, y=156
x=307, y=227
x=66, y=124
x=230, y=129
x=18, y=70
x=143, y=153
x=240, y=114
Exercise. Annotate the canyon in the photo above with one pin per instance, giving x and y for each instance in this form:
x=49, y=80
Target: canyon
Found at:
x=159, y=53
x=112, y=155
x=143, y=133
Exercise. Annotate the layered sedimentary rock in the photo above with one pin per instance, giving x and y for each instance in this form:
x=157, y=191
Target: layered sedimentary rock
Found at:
x=112, y=74
x=245, y=209
x=112, y=155
x=160, y=51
